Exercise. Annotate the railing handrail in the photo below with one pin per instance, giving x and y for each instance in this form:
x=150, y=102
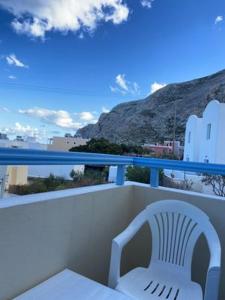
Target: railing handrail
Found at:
x=180, y=165
x=16, y=156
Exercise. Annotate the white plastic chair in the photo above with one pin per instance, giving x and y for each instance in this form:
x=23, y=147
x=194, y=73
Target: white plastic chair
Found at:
x=175, y=227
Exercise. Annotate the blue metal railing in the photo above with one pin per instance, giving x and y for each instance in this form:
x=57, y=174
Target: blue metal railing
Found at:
x=13, y=156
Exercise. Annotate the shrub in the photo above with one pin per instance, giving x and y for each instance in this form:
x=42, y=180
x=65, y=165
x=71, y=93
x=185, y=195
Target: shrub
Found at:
x=76, y=176
x=141, y=174
x=35, y=187
x=183, y=185
x=104, y=146
x=217, y=182
x=55, y=183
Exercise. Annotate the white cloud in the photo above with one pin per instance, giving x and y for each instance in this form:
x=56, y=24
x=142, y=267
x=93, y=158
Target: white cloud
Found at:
x=60, y=118
x=26, y=131
x=4, y=109
x=105, y=110
x=14, y=61
x=124, y=86
x=121, y=81
x=12, y=77
x=81, y=36
x=147, y=3
x=113, y=89
x=136, y=87
x=218, y=19
x=157, y=86
x=87, y=116
x=36, y=17
x=19, y=129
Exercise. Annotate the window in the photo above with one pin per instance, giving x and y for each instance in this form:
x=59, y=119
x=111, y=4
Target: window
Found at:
x=189, y=137
x=208, y=132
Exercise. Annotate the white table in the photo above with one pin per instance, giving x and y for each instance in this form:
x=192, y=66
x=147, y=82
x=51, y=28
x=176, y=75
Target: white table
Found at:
x=68, y=285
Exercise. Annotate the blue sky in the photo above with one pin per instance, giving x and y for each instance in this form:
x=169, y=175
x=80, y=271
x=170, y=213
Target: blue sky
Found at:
x=64, y=62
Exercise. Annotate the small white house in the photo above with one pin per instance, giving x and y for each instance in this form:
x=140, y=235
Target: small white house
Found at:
x=205, y=137
x=192, y=137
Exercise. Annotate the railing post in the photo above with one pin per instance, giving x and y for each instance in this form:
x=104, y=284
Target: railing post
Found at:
x=154, y=178
x=120, y=175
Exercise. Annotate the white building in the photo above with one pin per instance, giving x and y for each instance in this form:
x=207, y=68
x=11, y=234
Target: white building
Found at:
x=23, y=143
x=58, y=143
x=18, y=175
x=204, y=142
x=205, y=137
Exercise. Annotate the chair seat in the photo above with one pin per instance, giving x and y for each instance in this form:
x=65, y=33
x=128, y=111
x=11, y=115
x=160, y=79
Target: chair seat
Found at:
x=142, y=283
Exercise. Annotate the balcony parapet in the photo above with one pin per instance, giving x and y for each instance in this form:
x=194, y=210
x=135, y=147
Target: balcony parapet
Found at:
x=10, y=156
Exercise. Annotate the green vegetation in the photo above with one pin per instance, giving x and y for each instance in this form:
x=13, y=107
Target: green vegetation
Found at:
x=141, y=174
x=104, y=146
x=55, y=183
x=94, y=176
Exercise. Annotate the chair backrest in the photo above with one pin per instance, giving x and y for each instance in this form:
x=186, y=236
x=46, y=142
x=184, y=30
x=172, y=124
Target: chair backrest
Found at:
x=175, y=227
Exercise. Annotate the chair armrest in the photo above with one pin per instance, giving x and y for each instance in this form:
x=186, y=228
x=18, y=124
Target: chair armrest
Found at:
x=212, y=284
x=117, y=246
x=213, y=274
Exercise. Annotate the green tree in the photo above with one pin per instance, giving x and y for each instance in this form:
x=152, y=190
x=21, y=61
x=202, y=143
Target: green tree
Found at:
x=141, y=174
x=99, y=146
x=104, y=146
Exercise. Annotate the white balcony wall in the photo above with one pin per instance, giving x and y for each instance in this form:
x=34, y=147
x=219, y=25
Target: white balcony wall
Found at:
x=45, y=233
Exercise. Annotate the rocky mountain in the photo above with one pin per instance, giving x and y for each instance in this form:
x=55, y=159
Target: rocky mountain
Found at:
x=152, y=119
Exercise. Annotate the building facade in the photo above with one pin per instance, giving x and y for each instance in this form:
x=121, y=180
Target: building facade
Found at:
x=205, y=137
x=59, y=143
x=168, y=147
x=17, y=175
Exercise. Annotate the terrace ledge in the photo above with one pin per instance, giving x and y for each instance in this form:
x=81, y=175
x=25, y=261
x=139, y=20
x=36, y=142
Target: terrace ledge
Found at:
x=54, y=195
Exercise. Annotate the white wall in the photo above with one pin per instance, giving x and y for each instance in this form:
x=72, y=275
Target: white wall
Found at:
x=221, y=134
x=44, y=233
x=22, y=144
x=209, y=147
x=112, y=174
x=192, y=137
x=202, y=148
x=214, y=147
